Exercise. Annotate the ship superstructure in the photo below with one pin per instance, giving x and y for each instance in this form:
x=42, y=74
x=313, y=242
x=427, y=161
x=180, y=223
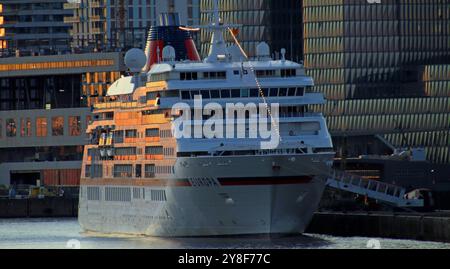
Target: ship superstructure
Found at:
x=144, y=174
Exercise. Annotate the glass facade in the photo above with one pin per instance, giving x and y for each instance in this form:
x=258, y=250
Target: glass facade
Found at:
x=277, y=22
x=384, y=69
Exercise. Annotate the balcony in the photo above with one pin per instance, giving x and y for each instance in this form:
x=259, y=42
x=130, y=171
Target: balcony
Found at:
x=71, y=19
x=97, y=31
x=97, y=4
x=96, y=18
x=71, y=5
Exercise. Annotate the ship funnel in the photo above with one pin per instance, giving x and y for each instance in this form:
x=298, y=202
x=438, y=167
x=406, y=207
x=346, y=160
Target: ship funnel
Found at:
x=169, y=33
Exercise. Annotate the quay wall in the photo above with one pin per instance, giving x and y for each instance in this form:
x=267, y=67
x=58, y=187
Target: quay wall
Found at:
x=38, y=208
x=424, y=227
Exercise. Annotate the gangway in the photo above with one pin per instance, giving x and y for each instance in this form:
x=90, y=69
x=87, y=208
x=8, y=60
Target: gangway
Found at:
x=380, y=191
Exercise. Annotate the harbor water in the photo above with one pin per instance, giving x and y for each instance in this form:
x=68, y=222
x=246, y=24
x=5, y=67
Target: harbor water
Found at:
x=66, y=233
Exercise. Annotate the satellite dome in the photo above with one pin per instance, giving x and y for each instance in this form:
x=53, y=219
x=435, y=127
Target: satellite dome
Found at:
x=168, y=54
x=262, y=50
x=135, y=60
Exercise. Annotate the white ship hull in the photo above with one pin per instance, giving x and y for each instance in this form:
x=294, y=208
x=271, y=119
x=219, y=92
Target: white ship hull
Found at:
x=282, y=202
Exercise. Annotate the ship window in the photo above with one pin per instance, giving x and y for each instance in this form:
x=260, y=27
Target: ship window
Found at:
x=1, y=128
x=185, y=95
x=273, y=92
x=254, y=92
x=149, y=170
x=282, y=92
x=123, y=170
x=125, y=151
x=11, y=128
x=138, y=170
x=291, y=92
x=235, y=93
x=265, y=92
x=300, y=92
x=93, y=193
x=244, y=92
x=215, y=94
x=151, y=95
x=131, y=133
x=41, y=126
x=57, y=126
x=153, y=132
x=194, y=93
x=74, y=125
x=154, y=150
x=205, y=94
x=288, y=72
x=188, y=76
x=236, y=72
x=225, y=93
x=93, y=171
x=118, y=136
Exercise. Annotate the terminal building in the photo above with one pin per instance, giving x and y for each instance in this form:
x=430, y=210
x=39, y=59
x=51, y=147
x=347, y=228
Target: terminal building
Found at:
x=45, y=106
x=385, y=70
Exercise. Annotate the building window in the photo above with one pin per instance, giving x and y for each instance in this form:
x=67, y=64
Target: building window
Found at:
x=25, y=127
x=11, y=128
x=57, y=126
x=74, y=126
x=41, y=126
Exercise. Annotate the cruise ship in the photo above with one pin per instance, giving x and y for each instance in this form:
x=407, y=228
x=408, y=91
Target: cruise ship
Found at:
x=150, y=169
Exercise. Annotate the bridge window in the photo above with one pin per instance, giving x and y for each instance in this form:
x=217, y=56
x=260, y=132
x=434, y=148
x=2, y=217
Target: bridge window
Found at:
x=288, y=72
x=215, y=75
x=300, y=92
x=188, y=76
x=205, y=94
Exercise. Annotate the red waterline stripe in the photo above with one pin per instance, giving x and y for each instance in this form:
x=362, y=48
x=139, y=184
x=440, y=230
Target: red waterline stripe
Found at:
x=265, y=181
